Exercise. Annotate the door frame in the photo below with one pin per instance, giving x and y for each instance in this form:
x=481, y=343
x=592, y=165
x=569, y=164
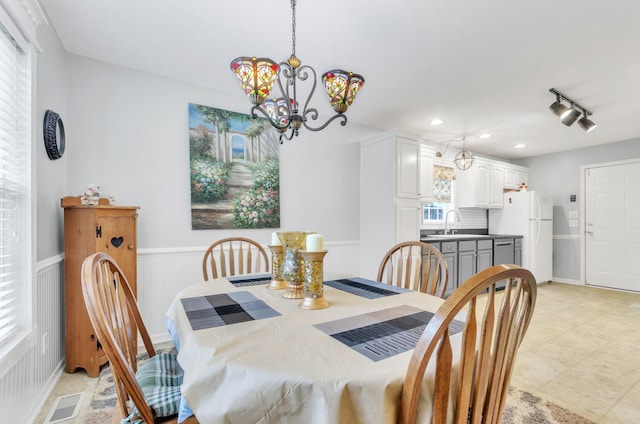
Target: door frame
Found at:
x=583, y=211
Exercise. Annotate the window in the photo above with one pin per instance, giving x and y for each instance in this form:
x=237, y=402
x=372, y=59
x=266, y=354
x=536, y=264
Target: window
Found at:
x=433, y=212
x=15, y=189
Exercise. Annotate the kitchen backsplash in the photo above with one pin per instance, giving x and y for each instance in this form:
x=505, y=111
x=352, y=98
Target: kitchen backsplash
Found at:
x=470, y=219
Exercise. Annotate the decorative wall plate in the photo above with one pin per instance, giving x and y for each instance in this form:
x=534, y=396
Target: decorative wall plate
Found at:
x=53, y=131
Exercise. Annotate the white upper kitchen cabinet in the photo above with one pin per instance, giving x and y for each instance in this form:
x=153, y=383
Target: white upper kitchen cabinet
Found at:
x=426, y=173
x=514, y=176
x=390, y=183
x=480, y=186
x=407, y=168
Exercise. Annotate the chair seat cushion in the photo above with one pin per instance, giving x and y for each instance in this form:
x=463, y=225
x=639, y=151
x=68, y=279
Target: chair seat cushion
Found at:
x=160, y=378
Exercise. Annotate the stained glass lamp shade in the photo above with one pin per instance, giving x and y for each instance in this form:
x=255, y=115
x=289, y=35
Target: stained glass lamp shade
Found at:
x=342, y=87
x=256, y=76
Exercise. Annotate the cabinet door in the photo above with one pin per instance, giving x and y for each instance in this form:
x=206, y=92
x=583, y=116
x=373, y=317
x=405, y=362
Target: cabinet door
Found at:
x=116, y=235
x=426, y=174
x=496, y=186
x=466, y=265
x=407, y=169
x=452, y=266
x=407, y=221
x=522, y=177
x=485, y=259
x=483, y=184
x=510, y=178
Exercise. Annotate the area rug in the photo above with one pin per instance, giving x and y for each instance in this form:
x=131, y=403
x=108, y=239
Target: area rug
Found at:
x=522, y=407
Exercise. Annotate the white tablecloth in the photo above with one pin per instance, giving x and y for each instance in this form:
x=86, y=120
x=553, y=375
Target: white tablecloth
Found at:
x=283, y=369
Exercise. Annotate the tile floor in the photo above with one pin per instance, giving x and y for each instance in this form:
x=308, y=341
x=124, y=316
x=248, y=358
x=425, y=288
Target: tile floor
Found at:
x=582, y=351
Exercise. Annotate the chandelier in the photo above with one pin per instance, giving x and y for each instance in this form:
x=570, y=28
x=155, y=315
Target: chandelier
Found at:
x=257, y=76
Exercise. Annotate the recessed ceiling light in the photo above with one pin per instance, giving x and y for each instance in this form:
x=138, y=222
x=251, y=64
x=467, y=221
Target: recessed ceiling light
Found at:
x=485, y=135
x=519, y=146
x=436, y=122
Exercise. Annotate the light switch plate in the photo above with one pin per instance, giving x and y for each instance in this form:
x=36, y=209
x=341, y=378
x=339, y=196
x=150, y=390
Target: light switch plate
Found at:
x=573, y=223
x=573, y=214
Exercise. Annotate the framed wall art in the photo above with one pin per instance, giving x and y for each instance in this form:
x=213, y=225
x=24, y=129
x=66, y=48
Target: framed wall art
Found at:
x=235, y=170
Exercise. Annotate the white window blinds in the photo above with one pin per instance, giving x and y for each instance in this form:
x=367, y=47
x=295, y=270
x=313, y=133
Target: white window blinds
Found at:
x=14, y=187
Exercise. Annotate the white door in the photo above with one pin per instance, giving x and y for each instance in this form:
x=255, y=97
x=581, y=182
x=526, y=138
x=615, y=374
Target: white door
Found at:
x=612, y=226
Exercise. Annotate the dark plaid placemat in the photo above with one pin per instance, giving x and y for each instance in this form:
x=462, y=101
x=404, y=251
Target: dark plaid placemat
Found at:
x=365, y=288
x=224, y=309
x=249, y=280
x=382, y=334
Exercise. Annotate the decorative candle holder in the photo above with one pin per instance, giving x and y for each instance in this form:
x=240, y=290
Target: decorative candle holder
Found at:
x=292, y=269
x=277, y=283
x=313, y=280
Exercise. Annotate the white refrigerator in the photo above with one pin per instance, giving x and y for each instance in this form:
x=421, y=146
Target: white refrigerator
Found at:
x=530, y=214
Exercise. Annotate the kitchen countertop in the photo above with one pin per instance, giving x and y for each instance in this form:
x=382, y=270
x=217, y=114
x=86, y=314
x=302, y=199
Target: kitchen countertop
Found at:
x=462, y=237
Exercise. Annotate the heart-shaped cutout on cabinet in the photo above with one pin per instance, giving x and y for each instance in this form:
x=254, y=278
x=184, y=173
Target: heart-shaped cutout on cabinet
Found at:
x=117, y=241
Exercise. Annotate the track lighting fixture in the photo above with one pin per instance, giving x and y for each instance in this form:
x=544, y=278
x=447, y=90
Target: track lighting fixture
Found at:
x=569, y=115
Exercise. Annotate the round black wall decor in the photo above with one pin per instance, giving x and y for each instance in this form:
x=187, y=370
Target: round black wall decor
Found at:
x=53, y=131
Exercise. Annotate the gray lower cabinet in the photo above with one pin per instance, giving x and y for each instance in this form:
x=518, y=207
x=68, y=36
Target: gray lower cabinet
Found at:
x=485, y=254
x=467, y=263
x=449, y=250
x=517, y=252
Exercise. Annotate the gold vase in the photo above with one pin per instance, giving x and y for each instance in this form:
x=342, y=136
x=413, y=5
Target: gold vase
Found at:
x=292, y=269
x=313, y=280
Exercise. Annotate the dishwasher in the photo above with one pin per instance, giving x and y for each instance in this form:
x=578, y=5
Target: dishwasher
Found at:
x=503, y=253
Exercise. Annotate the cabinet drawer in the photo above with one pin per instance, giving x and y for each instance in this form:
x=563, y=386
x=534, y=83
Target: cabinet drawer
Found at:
x=467, y=245
x=449, y=246
x=485, y=244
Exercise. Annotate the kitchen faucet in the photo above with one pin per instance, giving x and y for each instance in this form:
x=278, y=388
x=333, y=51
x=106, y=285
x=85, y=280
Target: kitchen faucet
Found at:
x=446, y=220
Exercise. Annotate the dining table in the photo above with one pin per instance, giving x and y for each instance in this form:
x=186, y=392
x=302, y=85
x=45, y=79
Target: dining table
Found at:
x=250, y=355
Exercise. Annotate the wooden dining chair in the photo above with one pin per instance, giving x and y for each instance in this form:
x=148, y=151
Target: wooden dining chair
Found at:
x=494, y=324
x=417, y=266
x=234, y=256
x=150, y=392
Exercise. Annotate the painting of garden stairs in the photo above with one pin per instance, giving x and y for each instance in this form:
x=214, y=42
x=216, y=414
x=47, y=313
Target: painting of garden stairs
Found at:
x=219, y=215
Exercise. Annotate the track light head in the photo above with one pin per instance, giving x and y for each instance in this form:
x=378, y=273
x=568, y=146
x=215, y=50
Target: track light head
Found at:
x=558, y=108
x=585, y=123
x=570, y=116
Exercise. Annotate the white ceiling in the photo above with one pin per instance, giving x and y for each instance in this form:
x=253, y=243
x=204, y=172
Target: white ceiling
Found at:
x=480, y=65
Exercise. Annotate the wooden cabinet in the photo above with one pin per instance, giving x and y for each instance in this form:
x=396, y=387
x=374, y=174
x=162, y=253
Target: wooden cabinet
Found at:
x=389, y=196
x=87, y=230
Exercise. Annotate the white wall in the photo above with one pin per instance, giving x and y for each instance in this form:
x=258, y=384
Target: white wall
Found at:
x=52, y=91
x=559, y=173
x=128, y=132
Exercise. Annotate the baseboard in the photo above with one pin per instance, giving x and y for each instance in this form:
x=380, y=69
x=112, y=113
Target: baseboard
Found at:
x=567, y=281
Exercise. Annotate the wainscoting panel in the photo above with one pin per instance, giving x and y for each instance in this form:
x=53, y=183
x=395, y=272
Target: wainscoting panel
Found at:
x=25, y=387
x=162, y=273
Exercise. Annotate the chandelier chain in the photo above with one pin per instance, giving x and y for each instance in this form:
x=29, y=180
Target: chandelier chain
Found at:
x=293, y=27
